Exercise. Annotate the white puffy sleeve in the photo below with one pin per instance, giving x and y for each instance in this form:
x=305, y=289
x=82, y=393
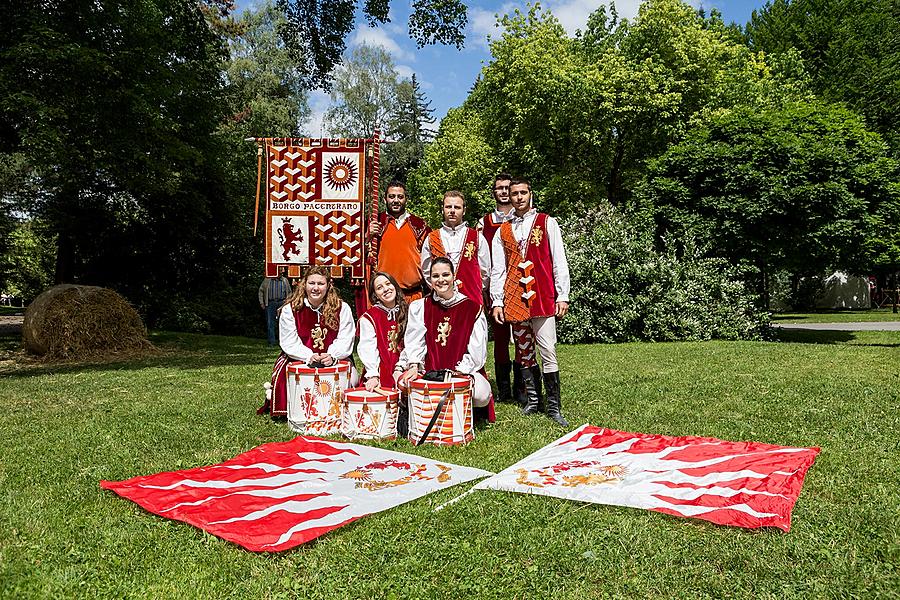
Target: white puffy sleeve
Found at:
x=288, y=338
x=476, y=350
x=498, y=270
x=367, y=347
x=560, y=264
x=342, y=346
x=414, y=348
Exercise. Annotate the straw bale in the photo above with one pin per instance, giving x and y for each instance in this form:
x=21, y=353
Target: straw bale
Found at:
x=82, y=321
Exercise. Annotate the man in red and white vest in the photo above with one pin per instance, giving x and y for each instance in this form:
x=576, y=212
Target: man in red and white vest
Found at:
x=489, y=226
x=530, y=289
x=464, y=246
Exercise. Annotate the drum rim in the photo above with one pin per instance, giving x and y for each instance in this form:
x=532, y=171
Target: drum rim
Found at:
x=299, y=366
x=421, y=384
x=392, y=394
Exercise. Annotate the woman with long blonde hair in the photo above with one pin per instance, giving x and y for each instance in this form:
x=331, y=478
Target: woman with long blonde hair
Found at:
x=316, y=327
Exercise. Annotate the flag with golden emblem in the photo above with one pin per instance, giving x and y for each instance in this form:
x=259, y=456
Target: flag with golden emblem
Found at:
x=279, y=495
x=745, y=484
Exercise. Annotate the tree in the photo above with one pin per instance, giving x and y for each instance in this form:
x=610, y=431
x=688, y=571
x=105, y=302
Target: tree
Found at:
x=851, y=49
x=364, y=93
x=410, y=130
x=316, y=30
x=462, y=160
x=797, y=188
x=582, y=116
x=265, y=86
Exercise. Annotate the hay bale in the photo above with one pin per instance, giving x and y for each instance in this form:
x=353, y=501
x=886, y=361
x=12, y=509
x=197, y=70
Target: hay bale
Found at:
x=82, y=321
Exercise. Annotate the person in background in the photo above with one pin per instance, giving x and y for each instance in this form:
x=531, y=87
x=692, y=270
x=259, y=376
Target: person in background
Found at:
x=503, y=366
x=272, y=292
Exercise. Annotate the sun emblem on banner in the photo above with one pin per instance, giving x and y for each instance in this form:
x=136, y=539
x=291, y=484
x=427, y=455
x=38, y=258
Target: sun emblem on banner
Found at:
x=340, y=173
x=365, y=476
x=571, y=473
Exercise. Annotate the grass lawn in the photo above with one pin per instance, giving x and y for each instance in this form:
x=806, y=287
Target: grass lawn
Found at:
x=64, y=428
x=838, y=316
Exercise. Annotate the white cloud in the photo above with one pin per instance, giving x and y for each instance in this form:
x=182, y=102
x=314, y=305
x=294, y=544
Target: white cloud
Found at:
x=404, y=71
x=482, y=23
x=377, y=36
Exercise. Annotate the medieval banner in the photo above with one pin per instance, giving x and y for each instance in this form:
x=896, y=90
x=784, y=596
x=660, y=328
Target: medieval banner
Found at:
x=315, y=202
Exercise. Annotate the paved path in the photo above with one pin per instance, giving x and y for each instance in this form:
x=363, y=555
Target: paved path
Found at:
x=11, y=325
x=863, y=326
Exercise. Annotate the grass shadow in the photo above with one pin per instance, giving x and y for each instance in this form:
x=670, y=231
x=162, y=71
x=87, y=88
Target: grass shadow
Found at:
x=176, y=350
x=818, y=336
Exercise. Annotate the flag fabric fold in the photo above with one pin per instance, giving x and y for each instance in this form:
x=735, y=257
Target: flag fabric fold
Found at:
x=744, y=484
x=279, y=495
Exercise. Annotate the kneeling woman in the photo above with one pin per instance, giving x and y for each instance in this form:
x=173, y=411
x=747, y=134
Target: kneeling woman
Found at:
x=381, y=330
x=315, y=327
x=447, y=330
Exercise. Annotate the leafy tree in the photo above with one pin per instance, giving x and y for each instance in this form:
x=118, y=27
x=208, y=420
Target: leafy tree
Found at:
x=582, y=116
x=410, y=130
x=28, y=265
x=364, y=93
x=797, y=188
x=851, y=49
x=462, y=160
x=316, y=30
x=266, y=89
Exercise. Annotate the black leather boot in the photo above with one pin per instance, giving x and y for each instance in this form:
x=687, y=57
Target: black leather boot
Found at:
x=532, y=394
x=504, y=389
x=554, y=404
x=518, y=387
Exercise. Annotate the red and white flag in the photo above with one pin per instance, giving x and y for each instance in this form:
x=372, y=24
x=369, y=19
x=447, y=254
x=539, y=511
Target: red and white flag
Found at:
x=283, y=494
x=746, y=484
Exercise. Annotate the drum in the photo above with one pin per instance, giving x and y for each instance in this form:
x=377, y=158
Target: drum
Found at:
x=315, y=397
x=454, y=423
x=370, y=415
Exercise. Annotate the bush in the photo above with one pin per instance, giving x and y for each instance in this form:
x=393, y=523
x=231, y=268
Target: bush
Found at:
x=624, y=289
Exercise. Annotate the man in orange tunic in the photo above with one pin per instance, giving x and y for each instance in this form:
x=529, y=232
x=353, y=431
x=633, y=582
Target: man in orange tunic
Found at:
x=397, y=239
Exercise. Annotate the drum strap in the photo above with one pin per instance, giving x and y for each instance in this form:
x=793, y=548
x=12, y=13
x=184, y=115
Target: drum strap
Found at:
x=434, y=417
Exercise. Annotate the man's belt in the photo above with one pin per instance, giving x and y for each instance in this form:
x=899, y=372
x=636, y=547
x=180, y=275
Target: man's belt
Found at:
x=413, y=290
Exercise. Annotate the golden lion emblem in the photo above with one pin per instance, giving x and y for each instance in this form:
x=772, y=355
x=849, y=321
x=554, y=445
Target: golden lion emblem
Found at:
x=444, y=329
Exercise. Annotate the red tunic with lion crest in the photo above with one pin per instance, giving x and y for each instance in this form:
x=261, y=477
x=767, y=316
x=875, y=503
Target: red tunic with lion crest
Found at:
x=314, y=334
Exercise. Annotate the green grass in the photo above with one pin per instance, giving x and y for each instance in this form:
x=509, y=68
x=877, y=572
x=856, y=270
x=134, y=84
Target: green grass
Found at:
x=838, y=316
x=66, y=427
x=11, y=310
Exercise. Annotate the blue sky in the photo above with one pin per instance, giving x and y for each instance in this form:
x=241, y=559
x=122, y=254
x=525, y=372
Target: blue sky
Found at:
x=446, y=74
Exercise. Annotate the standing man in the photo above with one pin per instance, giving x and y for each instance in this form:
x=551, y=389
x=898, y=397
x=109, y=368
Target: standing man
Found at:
x=489, y=226
x=464, y=246
x=530, y=289
x=397, y=238
x=272, y=293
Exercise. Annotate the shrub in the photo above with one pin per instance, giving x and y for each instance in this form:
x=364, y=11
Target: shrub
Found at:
x=624, y=289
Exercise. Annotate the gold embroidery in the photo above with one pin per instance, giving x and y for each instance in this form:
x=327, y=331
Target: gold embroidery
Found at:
x=470, y=250
x=318, y=337
x=537, y=234
x=393, y=344
x=444, y=331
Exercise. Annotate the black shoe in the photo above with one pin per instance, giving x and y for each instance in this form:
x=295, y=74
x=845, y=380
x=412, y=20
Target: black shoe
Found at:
x=532, y=395
x=518, y=387
x=554, y=404
x=504, y=389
